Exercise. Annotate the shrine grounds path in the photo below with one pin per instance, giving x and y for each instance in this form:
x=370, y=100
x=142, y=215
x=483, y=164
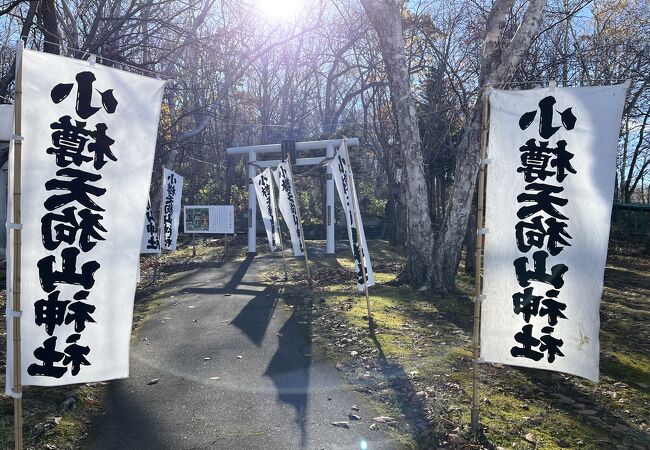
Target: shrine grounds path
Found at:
x=235, y=370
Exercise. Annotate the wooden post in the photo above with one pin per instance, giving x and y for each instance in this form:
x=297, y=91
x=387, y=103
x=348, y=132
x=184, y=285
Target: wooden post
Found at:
x=225, y=244
x=154, y=272
x=302, y=233
x=478, y=264
x=356, y=215
x=193, y=245
x=16, y=307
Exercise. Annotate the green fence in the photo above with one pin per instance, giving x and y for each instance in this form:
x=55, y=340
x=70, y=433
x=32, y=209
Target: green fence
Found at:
x=632, y=219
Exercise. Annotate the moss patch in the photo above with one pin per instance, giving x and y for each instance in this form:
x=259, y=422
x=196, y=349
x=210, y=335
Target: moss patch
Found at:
x=417, y=363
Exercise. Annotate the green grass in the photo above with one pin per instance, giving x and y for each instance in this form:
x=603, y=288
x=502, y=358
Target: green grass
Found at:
x=427, y=338
x=422, y=345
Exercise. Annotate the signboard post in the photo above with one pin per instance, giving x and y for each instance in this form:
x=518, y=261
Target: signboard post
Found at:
x=209, y=219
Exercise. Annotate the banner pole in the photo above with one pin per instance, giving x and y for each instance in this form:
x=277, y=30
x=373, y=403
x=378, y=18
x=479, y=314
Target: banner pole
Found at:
x=16, y=308
x=302, y=233
x=478, y=261
x=277, y=217
x=154, y=274
x=362, y=254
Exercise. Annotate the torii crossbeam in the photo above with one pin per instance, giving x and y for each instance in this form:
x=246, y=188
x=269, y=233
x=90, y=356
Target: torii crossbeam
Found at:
x=253, y=150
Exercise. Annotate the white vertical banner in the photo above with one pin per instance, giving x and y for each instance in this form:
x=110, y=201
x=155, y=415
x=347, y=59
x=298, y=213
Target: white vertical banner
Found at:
x=6, y=122
x=89, y=139
x=550, y=186
x=287, y=204
x=150, y=237
x=266, y=199
x=344, y=185
x=170, y=210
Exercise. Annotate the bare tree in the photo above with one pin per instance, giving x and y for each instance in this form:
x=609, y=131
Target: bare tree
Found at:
x=386, y=18
x=500, y=59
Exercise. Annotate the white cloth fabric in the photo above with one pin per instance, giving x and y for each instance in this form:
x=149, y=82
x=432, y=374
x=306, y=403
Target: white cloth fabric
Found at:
x=150, y=243
x=263, y=183
x=288, y=207
x=550, y=186
x=89, y=139
x=344, y=181
x=170, y=209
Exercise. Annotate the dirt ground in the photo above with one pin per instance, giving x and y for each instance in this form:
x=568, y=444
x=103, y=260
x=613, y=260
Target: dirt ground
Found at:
x=415, y=366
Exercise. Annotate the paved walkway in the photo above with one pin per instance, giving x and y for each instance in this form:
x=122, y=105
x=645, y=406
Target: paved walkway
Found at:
x=221, y=321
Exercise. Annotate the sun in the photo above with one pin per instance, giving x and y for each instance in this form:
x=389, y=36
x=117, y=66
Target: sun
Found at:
x=278, y=10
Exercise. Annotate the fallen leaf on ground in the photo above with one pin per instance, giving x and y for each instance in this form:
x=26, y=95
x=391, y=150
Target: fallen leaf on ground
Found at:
x=383, y=419
x=341, y=424
x=154, y=381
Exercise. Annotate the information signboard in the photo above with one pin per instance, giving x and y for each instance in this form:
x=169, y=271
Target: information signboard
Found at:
x=210, y=219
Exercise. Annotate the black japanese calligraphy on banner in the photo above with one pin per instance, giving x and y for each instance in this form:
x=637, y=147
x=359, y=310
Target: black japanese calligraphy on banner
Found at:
x=287, y=204
x=266, y=199
x=548, y=204
x=150, y=237
x=343, y=179
x=170, y=210
x=81, y=222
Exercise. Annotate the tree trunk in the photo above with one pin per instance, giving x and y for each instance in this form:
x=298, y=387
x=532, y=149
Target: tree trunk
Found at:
x=49, y=26
x=497, y=66
x=386, y=19
x=9, y=75
x=459, y=206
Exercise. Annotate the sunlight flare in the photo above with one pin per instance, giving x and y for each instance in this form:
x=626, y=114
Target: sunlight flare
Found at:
x=280, y=9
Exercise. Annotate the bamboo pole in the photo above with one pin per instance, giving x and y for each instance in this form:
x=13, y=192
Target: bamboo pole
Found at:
x=478, y=262
x=16, y=332
x=302, y=233
x=355, y=215
x=277, y=225
x=154, y=273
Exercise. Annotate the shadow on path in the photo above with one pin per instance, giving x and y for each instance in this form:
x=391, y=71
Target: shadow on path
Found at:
x=254, y=318
x=289, y=367
x=410, y=404
x=121, y=431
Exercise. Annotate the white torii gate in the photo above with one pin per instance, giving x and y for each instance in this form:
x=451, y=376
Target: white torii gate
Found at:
x=253, y=150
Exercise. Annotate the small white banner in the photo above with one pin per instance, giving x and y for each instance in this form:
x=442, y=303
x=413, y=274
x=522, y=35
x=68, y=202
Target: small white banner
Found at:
x=6, y=122
x=209, y=219
x=150, y=237
x=550, y=186
x=287, y=204
x=89, y=139
x=266, y=199
x=170, y=210
x=345, y=186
